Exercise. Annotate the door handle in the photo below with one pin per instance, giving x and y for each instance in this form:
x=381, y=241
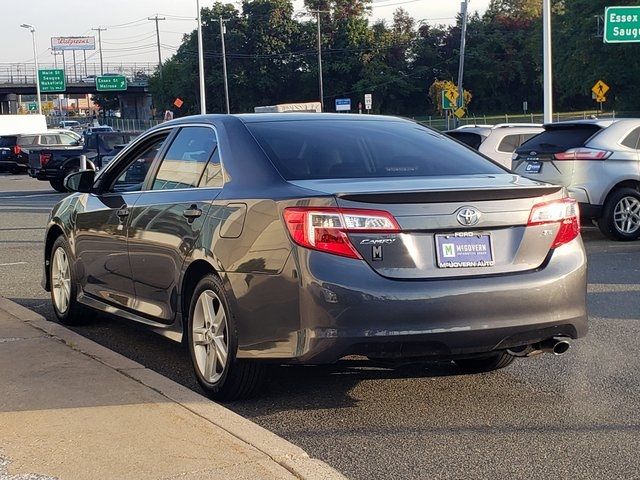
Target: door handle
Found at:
x=122, y=212
x=192, y=213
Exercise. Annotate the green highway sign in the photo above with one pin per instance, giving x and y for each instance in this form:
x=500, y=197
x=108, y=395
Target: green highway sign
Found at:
x=111, y=83
x=32, y=106
x=51, y=80
x=621, y=24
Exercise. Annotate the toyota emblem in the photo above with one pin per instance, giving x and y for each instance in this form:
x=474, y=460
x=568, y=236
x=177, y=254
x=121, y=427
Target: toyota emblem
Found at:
x=468, y=216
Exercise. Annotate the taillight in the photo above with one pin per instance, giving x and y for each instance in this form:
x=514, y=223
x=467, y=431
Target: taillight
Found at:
x=44, y=158
x=16, y=149
x=583, y=154
x=565, y=212
x=326, y=229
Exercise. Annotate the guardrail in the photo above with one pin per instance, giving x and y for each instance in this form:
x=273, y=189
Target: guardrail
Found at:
x=442, y=123
x=25, y=73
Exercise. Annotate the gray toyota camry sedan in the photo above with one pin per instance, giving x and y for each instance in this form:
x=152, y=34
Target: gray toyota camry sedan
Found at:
x=303, y=238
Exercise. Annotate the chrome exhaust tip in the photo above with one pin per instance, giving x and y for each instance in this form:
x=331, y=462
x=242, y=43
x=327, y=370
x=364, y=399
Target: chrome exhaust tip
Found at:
x=555, y=346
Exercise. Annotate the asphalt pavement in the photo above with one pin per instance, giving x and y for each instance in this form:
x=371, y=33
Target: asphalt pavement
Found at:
x=574, y=416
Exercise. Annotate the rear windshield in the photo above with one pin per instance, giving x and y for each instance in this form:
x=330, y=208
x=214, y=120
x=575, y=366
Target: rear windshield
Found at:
x=474, y=140
x=317, y=149
x=559, y=139
x=8, y=141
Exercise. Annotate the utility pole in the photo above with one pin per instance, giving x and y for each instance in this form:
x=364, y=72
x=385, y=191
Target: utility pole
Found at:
x=321, y=88
x=203, y=101
x=224, y=63
x=100, y=30
x=464, y=7
x=547, y=59
x=157, y=19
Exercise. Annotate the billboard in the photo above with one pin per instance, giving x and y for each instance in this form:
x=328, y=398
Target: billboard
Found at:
x=73, y=43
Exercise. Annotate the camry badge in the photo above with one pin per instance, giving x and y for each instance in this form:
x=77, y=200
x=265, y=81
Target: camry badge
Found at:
x=468, y=216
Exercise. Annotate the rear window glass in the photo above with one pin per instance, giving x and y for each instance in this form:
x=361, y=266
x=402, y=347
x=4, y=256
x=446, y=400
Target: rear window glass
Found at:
x=509, y=143
x=473, y=140
x=316, y=149
x=8, y=141
x=560, y=139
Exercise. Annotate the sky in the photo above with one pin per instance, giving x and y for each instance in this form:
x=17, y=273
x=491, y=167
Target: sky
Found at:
x=130, y=37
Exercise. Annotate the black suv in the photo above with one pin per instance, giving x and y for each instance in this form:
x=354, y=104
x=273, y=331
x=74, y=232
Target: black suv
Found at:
x=15, y=149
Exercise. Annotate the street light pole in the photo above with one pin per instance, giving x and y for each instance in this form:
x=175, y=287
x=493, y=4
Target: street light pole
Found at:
x=224, y=63
x=464, y=7
x=32, y=29
x=547, y=59
x=203, y=100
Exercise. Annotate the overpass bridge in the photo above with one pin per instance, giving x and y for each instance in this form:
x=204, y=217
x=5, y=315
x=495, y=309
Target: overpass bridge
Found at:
x=20, y=79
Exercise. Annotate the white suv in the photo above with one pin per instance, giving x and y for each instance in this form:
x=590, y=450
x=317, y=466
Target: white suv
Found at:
x=599, y=163
x=498, y=142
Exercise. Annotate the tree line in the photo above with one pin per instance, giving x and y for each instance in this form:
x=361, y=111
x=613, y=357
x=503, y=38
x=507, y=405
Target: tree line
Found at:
x=271, y=54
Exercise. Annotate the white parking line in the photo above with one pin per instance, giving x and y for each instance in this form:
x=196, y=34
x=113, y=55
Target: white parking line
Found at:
x=12, y=264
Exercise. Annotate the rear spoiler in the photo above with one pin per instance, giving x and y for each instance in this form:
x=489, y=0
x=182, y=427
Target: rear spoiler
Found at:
x=450, y=196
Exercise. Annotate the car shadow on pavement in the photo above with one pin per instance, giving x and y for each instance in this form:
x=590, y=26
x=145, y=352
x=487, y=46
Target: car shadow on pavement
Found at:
x=288, y=386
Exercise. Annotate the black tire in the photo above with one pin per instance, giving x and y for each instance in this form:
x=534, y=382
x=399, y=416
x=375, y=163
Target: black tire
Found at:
x=607, y=224
x=240, y=378
x=16, y=170
x=74, y=313
x=490, y=363
x=58, y=185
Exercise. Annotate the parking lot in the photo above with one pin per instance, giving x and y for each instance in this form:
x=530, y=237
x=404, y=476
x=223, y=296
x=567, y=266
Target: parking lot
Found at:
x=576, y=416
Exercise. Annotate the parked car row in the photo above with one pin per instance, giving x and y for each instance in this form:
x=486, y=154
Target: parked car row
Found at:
x=598, y=161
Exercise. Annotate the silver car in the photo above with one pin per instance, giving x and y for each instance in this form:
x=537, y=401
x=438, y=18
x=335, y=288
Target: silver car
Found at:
x=498, y=142
x=599, y=163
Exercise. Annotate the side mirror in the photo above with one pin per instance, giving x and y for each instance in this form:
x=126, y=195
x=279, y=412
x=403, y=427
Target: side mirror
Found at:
x=81, y=181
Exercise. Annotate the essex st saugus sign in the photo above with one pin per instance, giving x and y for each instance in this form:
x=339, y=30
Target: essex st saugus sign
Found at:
x=621, y=24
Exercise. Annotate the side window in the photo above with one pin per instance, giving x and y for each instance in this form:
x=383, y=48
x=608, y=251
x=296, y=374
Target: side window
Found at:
x=509, y=144
x=67, y=139
x=526, y=136
x=132, y=178
x=49, y=139
x=632, y=139
x=185, y=160
x=212, y=176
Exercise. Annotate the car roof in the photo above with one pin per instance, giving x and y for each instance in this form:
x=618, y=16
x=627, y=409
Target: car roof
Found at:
x=591, y=121
x=281, y=117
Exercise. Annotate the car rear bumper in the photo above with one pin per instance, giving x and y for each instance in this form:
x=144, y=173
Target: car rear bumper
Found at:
x=346, y=308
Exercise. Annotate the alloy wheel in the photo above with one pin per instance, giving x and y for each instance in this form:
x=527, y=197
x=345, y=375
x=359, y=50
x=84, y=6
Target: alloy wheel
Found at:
x=210, y=336
x=61, y=280
x=626, y=215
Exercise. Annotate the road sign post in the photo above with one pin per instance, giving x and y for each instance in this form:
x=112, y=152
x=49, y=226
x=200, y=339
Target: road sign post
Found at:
x=368, y=102
x=621, y=25
x=599, y=91
x=343, y=104
x=111, y=83
x=51, y=80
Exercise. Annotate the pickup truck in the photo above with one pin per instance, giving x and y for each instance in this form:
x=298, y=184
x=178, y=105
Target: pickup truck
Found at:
x=54, y=164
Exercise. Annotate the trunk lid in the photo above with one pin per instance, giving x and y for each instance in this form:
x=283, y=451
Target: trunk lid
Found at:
x=435, y=240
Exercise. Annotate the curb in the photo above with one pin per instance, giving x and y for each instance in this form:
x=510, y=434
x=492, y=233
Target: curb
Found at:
x=281, y=451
